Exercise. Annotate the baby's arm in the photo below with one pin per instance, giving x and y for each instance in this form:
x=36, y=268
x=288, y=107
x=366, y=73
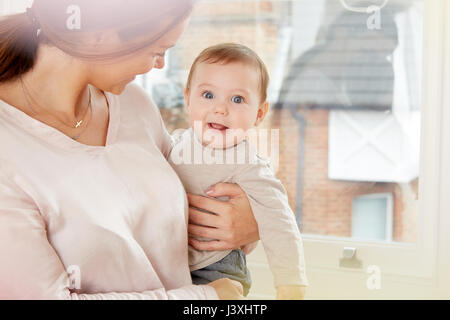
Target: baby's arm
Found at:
x=278, y=229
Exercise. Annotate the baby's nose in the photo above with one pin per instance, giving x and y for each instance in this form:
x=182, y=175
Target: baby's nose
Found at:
x=220, y=108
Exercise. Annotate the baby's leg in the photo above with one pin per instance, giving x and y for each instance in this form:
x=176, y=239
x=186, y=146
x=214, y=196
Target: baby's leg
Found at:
x=233, y=266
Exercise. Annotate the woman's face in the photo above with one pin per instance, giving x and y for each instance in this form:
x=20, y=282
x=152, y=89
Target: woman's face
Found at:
x=113, y=76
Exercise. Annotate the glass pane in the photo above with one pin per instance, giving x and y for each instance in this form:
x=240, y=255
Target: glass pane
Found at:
x=369, y=218
x=344, y=93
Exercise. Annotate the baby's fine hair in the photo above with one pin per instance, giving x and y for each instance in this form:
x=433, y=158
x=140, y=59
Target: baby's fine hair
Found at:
x=225, y=53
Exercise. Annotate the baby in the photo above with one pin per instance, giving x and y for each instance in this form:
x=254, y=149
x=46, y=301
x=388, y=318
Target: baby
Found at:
x=225, y=99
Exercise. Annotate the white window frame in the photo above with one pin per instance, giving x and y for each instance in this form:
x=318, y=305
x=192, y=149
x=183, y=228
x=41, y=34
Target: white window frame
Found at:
x=415, y=270
x=442, y=289
x=389, y=212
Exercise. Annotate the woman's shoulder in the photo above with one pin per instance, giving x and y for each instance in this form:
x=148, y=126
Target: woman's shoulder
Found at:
x=137, y=100
x=137, y=107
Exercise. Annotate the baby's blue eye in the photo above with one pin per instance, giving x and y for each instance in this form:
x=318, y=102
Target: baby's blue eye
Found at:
x=237, y=99
x=208, y=95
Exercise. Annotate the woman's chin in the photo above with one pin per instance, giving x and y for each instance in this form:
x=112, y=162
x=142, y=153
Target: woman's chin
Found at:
x=118, y=88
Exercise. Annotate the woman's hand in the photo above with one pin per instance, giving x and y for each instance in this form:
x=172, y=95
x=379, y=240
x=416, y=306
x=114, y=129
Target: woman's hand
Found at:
x=228, y=289
x=291, y=292
x=233, y=225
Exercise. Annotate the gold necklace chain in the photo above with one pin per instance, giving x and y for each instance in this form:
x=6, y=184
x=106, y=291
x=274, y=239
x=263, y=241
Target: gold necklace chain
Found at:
x=78, y=123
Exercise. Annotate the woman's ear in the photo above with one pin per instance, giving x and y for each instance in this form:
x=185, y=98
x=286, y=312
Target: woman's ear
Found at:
x=262, y=111
x=186, y=100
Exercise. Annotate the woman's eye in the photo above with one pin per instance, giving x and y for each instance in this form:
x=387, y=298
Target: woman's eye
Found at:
x=159, y=55
x=208, y=95
x=237, y=99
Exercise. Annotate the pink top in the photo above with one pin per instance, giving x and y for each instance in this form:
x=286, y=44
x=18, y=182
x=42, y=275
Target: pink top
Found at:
x=113, y=217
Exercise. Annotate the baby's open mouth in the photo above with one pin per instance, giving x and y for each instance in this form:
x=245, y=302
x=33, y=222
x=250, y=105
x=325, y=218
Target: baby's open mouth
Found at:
x=217, y=126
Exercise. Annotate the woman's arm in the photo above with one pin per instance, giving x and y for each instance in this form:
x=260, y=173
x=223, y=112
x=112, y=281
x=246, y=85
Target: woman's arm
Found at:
x=31, y=269
x=234, y=225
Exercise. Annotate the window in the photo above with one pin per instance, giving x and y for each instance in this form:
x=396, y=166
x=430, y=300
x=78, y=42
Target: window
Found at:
x=372, y=217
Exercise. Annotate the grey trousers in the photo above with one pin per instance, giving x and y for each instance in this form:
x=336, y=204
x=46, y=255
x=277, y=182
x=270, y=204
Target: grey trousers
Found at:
x=233, y=266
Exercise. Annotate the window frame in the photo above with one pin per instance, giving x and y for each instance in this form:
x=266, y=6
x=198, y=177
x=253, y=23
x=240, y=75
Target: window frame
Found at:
x=443, y=229
x=408, y=264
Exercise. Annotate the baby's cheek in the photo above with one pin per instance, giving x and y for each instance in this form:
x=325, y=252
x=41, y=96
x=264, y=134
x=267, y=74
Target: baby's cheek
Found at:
x=195, y=115
x=246, y=122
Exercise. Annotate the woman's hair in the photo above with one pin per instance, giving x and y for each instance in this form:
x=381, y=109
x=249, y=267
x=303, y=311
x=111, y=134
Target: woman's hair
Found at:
x=225, y=53
x=66, y=23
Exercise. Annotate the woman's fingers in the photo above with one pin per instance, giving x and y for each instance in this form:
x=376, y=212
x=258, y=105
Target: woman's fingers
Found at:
x=232, y=224
x=214, y=245
x=216, y=206
x=207, y=232
x=231, y=190
x=203, y=218
x=228, y=289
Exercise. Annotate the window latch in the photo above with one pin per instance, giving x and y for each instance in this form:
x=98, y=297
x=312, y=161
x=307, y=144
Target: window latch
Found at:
x=349, y=259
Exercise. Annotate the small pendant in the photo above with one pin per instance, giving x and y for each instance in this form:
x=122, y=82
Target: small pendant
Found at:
x=78, y=123
x=75, y=137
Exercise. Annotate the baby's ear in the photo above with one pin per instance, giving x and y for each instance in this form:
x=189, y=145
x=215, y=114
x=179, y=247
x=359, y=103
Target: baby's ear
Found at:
x=262, y=111
x=186, y=99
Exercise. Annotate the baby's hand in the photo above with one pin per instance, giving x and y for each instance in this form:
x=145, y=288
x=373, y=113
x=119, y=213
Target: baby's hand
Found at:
x=291, y=292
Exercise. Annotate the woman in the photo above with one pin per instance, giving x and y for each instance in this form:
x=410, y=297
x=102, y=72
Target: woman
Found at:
x=85, y=187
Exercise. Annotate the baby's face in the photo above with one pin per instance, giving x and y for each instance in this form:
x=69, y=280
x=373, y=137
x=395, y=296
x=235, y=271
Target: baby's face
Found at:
x=224, y=102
